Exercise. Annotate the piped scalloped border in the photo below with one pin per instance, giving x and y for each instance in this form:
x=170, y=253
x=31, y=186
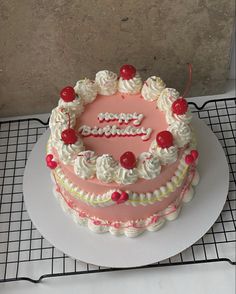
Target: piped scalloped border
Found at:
x=73, y=110
x=131, y=228
x=134, y=199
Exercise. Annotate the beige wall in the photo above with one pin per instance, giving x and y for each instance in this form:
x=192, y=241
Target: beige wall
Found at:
x=47, y=44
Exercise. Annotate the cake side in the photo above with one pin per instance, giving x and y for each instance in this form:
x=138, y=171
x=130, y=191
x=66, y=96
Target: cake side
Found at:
x=130, y=190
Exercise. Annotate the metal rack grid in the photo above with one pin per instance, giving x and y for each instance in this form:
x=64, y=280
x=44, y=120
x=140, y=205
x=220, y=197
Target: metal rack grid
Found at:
x=26, y=255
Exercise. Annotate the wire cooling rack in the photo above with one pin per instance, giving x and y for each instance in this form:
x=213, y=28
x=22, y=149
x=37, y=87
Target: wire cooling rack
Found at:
x=26, y=255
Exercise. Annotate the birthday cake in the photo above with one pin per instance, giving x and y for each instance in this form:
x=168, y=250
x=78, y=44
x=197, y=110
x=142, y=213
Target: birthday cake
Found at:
x=122, y=153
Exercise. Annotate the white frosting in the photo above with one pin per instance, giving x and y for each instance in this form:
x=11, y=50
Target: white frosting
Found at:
x=121, y=117
x=60, y=116
x=85, y=164
x=56, y=132
x=172, y=117
x=188, y=195
x=76, y=105
x=59, y=121
x=166, y=155
x=129, y=229
x=103, y=200
x=106, y=82
x=181, y=133
x=68, y=152
x=126, y=176
x=131, y=86
x=114, y=131
x=167, y=97
x=106, y=167
x=152, y=88
x=196, y=178
x=87, y=90
x=149, y=166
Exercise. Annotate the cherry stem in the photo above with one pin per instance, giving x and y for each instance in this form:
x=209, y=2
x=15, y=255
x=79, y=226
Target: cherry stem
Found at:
x=68, y=120
x=189, y=82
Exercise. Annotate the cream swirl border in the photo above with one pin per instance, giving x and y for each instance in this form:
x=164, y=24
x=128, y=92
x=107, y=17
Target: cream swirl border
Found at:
x=73, y=111
x=130, y=229
x=135, y=199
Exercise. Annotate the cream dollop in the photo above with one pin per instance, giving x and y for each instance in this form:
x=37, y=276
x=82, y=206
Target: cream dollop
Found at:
x=152, y=88
x=181, y=133
x=87, y=90
x=85, y=164
x=56, y=132
x=106, y=82
x=166, y=155
x=131, y=86
x=76, y=105
x=68, y=153
x=106, y=167
x=60, y=116
x=126, y=176
x=172, y=117
x=167, y=97
x=149, y=166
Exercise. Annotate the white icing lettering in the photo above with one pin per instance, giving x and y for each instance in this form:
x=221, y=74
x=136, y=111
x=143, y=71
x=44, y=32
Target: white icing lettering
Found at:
x=121, y=117
x=115, y=131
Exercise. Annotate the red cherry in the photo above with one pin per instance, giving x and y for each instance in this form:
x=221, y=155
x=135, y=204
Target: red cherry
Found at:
x=68, y=94
x=123, y=197
x=69, y=136
x=49, y=157
x=180, y=106
x=119, y=197
x=189, y=159
x=115, y=196
x=164, y=139
x=127, y=71
x=128, y=160
x=52, y=164
x=194, y=154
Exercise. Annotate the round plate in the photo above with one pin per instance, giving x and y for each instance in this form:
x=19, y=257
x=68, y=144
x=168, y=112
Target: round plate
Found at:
x=107, y=250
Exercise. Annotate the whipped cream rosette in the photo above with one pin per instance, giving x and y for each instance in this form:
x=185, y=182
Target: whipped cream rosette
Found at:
x=181, y=132
x=85, y=164
x=106, y=82
x=106, y=167
x=152, y=88
x=166, y=99
x=87, y=90
x=149, y=166
x=131, y=86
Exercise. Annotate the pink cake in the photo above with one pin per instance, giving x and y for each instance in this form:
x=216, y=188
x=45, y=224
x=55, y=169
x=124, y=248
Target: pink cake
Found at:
x=122, y=152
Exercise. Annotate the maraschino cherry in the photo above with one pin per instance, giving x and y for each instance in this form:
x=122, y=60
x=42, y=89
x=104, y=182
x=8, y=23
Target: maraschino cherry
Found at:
x=68, y=94
x=52, y=164
x=164, y=139
x=191, y=157
x=180, y=106
x=128, y=160
x=194, y=154
x=127, y=71
x=69, y=136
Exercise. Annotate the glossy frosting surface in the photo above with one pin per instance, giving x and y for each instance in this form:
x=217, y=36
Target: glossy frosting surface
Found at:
x=121, y=103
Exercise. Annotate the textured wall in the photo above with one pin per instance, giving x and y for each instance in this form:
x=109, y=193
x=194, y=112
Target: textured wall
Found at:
x=47, y=44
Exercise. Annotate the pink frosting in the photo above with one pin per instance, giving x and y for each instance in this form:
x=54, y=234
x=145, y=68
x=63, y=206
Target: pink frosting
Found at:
x=95, y=186
x=122, y=212
x=121, y=103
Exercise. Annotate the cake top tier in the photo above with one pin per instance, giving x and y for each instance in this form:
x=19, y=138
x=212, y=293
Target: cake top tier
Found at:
x=119, y=129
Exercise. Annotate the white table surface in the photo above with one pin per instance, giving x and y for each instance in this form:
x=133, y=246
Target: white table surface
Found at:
x=214, y=278
x=199, y=278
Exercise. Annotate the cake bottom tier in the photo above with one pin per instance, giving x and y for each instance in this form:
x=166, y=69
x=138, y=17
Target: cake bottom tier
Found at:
x=124, y=219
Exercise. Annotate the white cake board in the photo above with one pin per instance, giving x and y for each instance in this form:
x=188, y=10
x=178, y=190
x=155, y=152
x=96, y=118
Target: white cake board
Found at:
x=107, y=250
